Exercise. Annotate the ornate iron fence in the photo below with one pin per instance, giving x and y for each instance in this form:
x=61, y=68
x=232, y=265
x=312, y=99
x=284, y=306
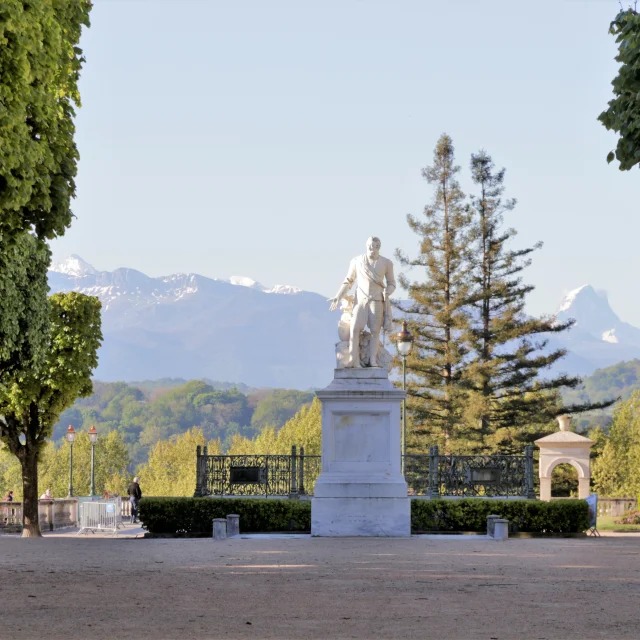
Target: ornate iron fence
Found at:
x=487, y=476
x=286, y=475
x=432, y=474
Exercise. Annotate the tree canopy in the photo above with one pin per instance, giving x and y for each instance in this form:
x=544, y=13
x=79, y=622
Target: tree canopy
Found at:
x=41, y=62
x=24, y=308
x=623, y=113
x=152, y=413
x=32, y=400
x=616, y=471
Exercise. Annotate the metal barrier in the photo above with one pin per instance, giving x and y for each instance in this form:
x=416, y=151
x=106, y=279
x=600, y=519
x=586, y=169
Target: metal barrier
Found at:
x=103, y=516
x=431, y=475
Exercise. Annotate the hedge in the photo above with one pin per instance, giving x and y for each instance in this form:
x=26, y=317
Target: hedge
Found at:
x=193, y=516
x=534, y=516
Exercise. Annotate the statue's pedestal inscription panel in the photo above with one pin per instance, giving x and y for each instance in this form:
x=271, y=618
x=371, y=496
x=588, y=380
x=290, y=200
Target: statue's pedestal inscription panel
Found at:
x=361, y=490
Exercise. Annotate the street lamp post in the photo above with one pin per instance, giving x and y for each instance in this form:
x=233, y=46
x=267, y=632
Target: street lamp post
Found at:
x=404, y=341
x=71, y=436
x=93, y=437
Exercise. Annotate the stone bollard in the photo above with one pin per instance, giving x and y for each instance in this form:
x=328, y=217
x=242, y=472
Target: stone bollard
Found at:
x=219, y=528
x=501, y=530
x=233, y=525
x=491, y=522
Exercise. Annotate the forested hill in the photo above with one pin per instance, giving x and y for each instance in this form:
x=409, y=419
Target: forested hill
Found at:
x=157, y=410
x=619, y=380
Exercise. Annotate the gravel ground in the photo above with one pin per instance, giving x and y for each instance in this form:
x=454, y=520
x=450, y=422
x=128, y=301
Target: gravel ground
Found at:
x=85, y=588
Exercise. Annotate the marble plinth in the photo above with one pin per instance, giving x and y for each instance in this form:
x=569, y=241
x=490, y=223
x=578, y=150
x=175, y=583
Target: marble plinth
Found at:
x=361, y=490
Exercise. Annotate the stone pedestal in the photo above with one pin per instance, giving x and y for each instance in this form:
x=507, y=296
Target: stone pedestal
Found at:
x=361, y=490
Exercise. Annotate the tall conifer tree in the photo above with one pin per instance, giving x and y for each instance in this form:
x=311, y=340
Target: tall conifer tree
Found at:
x=437, y=312
x=508, y=352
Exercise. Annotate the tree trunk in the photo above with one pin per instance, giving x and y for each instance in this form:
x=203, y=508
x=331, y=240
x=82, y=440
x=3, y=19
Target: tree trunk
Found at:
x=30, y=520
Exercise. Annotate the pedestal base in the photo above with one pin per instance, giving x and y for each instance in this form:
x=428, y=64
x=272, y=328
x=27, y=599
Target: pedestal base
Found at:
x=361, y=490
x=381, y=517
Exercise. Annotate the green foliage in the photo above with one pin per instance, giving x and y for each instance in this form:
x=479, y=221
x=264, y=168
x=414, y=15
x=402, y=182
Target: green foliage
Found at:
x=158, y=412
x=276, y=406
x=303, y=430
x=437, y=316
x=41, y=62
x=171, y=470
x=623, y=114
x=111, y=462
x=619, y=380
x=507, y=351
x=32, y=401
x=474, y=379
x=24, y=308
x=194, y=516
x=565, y=481
x=616, y=472
x=533, y=516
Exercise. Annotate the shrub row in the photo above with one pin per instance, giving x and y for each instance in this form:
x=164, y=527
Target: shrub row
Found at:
x=193, y=516
x=534, y=516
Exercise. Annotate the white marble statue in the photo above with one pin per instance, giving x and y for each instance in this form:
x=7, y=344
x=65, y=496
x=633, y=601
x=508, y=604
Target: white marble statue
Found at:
x=373, y=275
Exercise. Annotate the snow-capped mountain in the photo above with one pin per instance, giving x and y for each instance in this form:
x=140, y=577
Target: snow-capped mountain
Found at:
x=599, y=338
x=190, y=326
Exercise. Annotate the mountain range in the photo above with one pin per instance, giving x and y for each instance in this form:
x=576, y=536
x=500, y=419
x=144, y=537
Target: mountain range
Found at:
x=191, y=326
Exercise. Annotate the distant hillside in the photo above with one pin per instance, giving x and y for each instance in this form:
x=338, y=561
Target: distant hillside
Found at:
x=159, y=409
x=618, y=380
x=164, y=384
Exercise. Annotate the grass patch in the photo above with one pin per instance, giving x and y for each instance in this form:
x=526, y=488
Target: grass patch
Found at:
x=606, y=523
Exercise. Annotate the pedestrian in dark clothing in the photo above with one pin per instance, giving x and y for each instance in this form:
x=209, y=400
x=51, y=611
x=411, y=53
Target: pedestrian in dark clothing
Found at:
x=134, y=496
x=9, y=497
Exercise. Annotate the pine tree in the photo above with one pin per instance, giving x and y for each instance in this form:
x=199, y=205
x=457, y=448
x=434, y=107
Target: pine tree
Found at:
x=508, y=348
x=437, y=312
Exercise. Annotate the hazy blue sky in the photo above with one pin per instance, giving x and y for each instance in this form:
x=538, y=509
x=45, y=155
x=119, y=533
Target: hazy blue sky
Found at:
x=269, y=139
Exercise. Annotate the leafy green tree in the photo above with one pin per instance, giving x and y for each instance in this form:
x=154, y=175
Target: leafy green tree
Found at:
x=623, y=114
x=616, y=472
x=278, y=406
x=10, y=474
x=41, y=62
x=24, y=308
x=32, y=401
x=303, y=430
x=111, y=466
x=438, y=309
x=171, y=470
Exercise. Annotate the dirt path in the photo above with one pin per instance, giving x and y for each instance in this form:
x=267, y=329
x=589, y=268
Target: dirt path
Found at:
x=79, y=588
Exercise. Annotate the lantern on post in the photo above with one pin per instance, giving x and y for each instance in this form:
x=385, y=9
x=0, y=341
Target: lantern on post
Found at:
x=404, y=342
x=70, y=436
x=93, y=438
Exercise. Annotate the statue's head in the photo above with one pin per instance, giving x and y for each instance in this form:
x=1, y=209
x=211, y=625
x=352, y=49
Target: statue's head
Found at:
x=373, y=247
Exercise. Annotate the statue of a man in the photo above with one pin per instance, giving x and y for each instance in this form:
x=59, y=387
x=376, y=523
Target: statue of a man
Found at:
x=375, y=283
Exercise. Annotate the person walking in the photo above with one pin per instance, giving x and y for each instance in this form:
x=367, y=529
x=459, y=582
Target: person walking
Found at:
x=134, y=496
x=9, y=497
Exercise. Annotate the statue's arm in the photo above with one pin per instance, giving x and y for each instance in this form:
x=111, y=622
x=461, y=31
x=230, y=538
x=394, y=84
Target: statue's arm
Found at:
x=346, y=285
x=391, y=280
